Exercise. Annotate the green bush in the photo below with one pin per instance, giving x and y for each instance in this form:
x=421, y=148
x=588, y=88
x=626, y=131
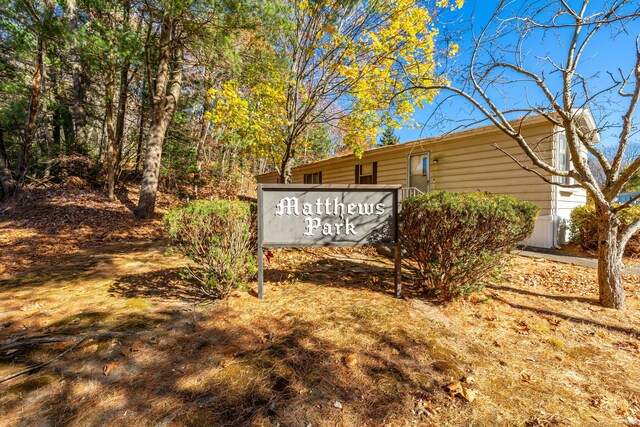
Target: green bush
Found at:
x=584, y=227
x=219, y=236
x=458, y=238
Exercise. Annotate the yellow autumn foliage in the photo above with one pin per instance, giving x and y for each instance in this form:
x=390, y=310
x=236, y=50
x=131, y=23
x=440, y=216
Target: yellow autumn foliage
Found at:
x=373, y=65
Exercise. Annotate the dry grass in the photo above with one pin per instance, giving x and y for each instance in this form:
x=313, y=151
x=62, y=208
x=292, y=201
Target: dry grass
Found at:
x=328, y=346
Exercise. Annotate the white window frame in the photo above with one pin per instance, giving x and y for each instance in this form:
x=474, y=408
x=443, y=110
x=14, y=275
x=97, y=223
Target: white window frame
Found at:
x=568, y=166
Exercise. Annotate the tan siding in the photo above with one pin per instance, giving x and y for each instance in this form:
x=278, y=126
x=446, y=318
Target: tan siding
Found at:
x=271, y=178
x=566, y=203
x=472, y=164
x=466, y=162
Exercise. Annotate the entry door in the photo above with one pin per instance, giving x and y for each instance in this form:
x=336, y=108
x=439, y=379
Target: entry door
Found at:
x=418, y=165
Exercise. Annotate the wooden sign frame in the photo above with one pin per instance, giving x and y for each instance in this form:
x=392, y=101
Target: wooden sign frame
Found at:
x=390, y=235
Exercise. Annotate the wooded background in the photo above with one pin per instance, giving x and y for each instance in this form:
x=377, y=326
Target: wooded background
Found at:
x=183, y=93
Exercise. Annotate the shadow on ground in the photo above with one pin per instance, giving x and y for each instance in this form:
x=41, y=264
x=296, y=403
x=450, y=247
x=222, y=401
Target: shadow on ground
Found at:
x=90, y=263
x=222, y=370
x=167, y=284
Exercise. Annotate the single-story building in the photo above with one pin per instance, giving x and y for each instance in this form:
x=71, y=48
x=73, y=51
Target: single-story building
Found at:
x=466, y=161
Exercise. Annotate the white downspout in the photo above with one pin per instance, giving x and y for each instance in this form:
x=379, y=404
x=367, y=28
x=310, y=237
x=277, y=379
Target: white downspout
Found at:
x=554, y=194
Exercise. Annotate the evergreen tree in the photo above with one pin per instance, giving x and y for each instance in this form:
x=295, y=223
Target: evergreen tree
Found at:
x=388, y=138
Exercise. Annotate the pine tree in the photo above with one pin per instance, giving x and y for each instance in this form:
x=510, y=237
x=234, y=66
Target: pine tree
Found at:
x=388, y=138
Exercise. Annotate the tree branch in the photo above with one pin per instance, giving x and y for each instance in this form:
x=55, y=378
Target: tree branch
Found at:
x=41, y=365
x=628, y=232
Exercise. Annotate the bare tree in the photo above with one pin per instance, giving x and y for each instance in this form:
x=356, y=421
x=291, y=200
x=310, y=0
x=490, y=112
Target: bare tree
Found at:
x=509, y=65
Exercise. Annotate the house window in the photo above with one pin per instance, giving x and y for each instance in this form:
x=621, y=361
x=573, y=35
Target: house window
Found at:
x=367, y=173
x=564, y=158
x=420, y=165
x=313, y=178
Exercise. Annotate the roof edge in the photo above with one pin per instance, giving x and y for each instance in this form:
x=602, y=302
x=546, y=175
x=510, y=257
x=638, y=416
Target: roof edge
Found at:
x=409, y=145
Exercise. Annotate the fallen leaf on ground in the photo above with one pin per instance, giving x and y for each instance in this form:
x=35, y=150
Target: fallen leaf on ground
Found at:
x=623, y=345
x=109, y=367
x=457, y=389
x=60, y=345
x=351, y=360
x=90, y=348
x=523, y=328
x=231, y=351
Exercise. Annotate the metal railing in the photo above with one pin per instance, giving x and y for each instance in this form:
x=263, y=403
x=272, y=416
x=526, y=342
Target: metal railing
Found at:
x=409, y=192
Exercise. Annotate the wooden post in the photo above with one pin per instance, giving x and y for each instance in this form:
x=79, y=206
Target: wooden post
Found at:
x=260, y=273
x=260, y=251
x=397, y=256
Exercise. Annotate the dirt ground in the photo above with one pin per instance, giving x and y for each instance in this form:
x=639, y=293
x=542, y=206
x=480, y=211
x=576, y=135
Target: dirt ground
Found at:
x=131, y=343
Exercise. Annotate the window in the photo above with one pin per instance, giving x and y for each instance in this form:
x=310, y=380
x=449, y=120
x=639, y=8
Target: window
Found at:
x=367, y=173
x=313, y=178
x=564, y=158
x=420, y=165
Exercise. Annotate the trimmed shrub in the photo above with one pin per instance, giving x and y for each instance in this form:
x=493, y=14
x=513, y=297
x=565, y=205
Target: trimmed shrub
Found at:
x=219, y=236
x=457, y=239
x=584, y=227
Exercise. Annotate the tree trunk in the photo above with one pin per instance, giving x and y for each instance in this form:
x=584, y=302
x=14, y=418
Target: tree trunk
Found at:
x=122, y=97
x=57, y=116
x=79, y=141
x=101, y=145
x=140, y=130
x=32, y=113
x=197, y=176
x=120, y=118
x=111, y=138
x=610, y=253
x=6, y=177
x=45, y=124
x=68, y=130
x=286, y=173
x=164, y=106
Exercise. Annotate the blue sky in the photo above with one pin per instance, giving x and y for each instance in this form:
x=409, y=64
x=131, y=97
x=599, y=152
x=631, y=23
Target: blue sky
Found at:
x=603, y=54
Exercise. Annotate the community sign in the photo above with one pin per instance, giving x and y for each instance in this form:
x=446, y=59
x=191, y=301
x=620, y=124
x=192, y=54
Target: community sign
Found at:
x=313, y=215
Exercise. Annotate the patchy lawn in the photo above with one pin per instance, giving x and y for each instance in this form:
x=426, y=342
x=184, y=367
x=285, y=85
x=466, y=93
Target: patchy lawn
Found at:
x=328, y=346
